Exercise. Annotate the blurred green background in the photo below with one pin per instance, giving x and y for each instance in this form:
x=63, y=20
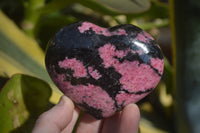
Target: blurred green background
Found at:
x=26, y=26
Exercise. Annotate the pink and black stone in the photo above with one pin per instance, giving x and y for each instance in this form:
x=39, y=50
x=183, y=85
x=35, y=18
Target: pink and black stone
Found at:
x=102, y=70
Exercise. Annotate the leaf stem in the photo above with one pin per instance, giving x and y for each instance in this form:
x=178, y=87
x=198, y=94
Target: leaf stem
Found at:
x=35, y=9
x=31, y=16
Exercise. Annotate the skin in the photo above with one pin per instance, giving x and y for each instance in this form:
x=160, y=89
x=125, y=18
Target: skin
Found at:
x=62, y=118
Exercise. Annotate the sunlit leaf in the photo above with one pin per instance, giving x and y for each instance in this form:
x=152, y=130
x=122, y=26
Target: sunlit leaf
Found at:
x=20, y=51
x=20, y=54
x=22, y=100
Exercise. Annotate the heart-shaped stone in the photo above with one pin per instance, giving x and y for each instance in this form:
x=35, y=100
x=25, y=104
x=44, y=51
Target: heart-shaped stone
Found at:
x=102, y=70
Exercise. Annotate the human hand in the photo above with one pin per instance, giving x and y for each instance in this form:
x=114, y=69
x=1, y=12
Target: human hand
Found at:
x=62, y=118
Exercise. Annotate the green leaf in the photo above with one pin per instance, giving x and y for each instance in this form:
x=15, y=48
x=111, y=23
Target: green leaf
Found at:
x=168, y=77
x=54, y=5
x=31, y=16
x=22, y=100
x=127, y=6
x=109, y=7
x=21, y=54
x=115, y=7
x=157, y=10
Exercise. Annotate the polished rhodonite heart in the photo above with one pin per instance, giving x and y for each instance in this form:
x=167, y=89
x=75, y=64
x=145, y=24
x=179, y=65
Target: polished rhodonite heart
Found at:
x=102, y=70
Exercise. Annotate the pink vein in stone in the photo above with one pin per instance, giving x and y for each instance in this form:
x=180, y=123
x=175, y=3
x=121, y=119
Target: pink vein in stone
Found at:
x=157, y=64
x=148, y=35
x=144, y=37
x=99, y=30
x=75, y=65
x=94, y=73
x=92, y=95
x=135, y=77
x=123, y=98
x=108, y=51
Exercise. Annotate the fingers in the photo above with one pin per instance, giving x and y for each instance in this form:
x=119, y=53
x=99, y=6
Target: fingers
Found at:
x=70, y=127
x=111, y=124
x=57, y=118
x=126, y=121
x=130, y=117
x=62, y=118
x=88, y=124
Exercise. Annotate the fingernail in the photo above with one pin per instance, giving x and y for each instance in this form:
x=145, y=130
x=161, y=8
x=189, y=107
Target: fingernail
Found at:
x=61, y=102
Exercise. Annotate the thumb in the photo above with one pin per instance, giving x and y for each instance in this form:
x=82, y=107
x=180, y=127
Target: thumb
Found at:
x=55, y=119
